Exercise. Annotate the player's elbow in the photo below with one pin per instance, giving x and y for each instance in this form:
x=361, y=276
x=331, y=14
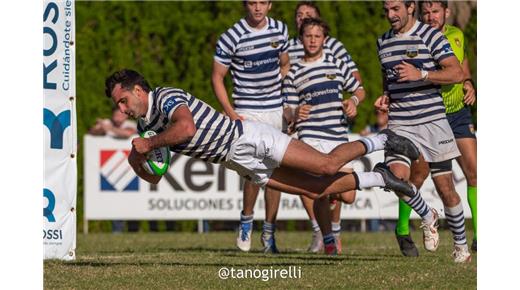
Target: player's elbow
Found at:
x=189, y=129
x=458, y=74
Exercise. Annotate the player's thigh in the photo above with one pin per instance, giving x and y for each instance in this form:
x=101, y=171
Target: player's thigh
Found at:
x=468, y=158
x=302, y=156
x=419, y=171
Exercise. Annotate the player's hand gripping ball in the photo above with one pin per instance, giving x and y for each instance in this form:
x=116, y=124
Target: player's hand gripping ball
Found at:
x=157, y=160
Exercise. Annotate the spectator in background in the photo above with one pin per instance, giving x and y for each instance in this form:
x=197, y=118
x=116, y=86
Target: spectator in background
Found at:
x=118, y=126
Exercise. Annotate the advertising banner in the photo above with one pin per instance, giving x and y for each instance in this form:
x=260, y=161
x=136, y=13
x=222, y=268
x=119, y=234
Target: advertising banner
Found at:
x=194, y=190
x=59, y=125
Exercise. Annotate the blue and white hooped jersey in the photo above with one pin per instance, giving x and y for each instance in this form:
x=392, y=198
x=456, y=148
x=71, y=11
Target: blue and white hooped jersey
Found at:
x=320, y=84
x=254, y=60
x=331, y=46
x=215, y=132
x=413, y=102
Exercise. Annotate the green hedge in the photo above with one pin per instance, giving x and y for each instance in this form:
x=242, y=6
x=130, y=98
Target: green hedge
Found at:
x=172, y=43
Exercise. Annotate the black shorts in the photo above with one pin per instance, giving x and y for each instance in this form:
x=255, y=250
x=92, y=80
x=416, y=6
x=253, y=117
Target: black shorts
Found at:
x=461, y=123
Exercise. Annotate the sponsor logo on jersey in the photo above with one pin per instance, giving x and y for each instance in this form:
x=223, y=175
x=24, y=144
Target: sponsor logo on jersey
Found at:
x=445, y=141
x=246, y=48
x=412, y=51
x=457, y=42
x=330, y=75
x=274, y=43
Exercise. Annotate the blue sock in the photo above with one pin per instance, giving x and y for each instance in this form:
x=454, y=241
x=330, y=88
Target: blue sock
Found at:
x=328, y=239
x=268, y=229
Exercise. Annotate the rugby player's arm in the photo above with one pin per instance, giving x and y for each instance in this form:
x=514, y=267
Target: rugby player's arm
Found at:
x=181, y=130
x=285, y=64
x=217, y=80
x=136, y=159
x=451, y=72
x=357, y=76
x=469, y=90
x=381, y=103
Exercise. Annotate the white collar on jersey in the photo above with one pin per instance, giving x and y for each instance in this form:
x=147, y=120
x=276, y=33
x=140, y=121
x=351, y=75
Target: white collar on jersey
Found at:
x=150, y=105
x=252, y=29
x=310, y=63
x=410, y=31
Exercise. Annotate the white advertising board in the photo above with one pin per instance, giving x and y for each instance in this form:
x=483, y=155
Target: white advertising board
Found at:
x=194, y=190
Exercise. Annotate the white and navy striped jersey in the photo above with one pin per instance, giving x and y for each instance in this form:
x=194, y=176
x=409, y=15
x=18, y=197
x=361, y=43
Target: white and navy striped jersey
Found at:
x=215, y=132
x=331, y=46
x=254, y=60
x=320, y=84
x=413, y=102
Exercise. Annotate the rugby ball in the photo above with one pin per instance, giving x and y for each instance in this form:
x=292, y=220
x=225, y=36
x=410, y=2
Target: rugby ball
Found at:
x=157, y=160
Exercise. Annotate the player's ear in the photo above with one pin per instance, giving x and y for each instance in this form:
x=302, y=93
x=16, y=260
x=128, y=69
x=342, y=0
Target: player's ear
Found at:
x=447, y=13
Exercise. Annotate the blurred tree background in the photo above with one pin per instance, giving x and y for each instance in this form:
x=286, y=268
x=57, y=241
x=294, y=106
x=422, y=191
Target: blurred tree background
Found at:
x=173, y=43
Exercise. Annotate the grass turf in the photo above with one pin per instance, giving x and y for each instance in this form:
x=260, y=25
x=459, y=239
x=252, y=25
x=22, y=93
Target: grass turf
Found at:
x=192, y=261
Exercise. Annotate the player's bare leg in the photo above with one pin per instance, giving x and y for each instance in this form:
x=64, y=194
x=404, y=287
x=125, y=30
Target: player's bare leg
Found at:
x=317, y=238
x=246, y=216
x=468, y=162
x=323, y=216
x=454, y=215
x=418, y=173
x=272, y=202
x=428, y=215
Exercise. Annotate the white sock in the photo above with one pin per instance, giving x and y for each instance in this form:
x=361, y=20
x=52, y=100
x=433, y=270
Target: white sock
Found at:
x=315, y=226
x=369, y=179
x=336, y=229
x=374, y=143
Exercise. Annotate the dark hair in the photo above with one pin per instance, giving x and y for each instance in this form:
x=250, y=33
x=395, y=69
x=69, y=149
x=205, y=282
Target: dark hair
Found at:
x=408, y=3
x=444, y=4
x=128, y=79
x=244, y=2
x=314, y=22
x=307, y=3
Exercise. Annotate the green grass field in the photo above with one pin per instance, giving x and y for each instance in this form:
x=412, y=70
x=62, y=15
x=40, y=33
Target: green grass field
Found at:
x=192, y=261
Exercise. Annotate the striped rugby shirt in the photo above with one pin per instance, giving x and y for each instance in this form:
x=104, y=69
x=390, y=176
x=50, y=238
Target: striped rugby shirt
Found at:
x=413, y=102
x=254, y=60
x=320, y=84
x=215, y=132
x=331, y=46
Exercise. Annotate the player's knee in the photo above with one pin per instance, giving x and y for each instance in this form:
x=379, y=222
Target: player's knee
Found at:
x=328, y=168
x=471, y=178
x=450, y=198
x=348, y=197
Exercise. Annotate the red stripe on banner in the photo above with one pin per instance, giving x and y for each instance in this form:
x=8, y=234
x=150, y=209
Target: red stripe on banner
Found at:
x=105, y=155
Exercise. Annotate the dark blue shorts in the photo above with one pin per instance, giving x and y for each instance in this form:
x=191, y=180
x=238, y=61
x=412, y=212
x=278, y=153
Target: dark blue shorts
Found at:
x=461, y=123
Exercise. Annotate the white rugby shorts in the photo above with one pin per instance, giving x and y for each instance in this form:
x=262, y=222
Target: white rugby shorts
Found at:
x=273, y=118
x=256, y=153
x=435, y=140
